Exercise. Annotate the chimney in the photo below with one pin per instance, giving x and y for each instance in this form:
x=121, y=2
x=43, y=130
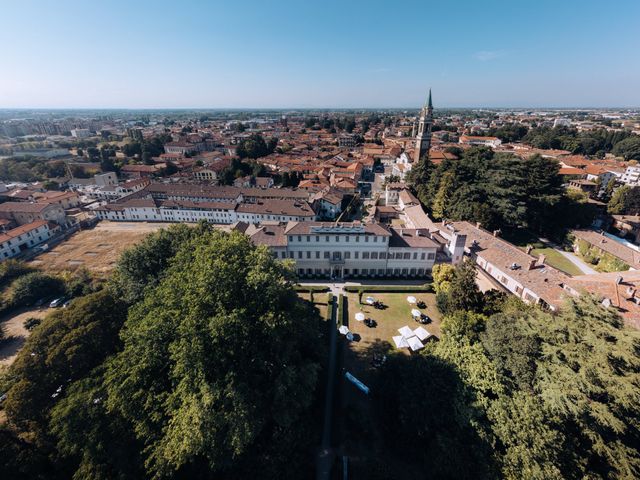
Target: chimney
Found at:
x=478, y=224
x=541, y=259
x=496, y=233
x=529, y=248
x=532, y=264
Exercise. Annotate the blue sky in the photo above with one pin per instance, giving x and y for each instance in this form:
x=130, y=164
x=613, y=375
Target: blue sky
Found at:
x=263, y=54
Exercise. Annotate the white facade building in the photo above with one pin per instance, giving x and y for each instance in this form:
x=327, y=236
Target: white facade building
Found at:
x=22, y=238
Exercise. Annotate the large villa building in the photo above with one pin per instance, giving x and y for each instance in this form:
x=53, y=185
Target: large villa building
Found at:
x=348, y=250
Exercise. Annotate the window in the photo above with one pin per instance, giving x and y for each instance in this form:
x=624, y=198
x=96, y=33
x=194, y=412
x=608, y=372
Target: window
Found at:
x=374, y=255
x=390, y=256
x=365, y=271
x=347, y=255
x=346, y=238
x=366, y=239
x=317, y=254
x=405, y=271
x=326, y=239
x=290, y=254
x=317, y=238
x=365, y=255
x=422, y=256
x=431, y=256
x=381, y=271
x=299, y=238
x=308, y=238
x=357, y=239
x=356, y=254
x=308, y=253
x=412, y=271
x=337, y=238
x=326, y=255
x=407, y=256
x=355, y=271
x=375, y=239
x=300, y=254
x=415, y=255
x=383, y=255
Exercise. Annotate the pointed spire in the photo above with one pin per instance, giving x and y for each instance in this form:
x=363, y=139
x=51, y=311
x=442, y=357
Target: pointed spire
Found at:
x=430, y=105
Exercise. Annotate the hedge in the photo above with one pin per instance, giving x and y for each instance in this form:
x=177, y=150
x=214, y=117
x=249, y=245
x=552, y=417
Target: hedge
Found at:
x=341, y=309
x=310, y=288
x=329, y=306
x=427, y=288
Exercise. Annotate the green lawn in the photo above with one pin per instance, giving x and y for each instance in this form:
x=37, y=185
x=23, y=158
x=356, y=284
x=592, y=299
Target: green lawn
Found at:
x=557, y=260
x=319, y=301
x=396, y=315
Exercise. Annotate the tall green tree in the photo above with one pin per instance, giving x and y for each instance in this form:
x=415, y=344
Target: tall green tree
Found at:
x=220, y=365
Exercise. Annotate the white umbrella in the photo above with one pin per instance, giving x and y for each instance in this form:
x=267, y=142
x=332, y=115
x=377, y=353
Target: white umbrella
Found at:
x=415, y=343
x=370, y=300
x=406, y=332
x=416, y=313
x=400, y=341
x=411, y=299
x=343, y=329
x=360, y=316
x=421, y=333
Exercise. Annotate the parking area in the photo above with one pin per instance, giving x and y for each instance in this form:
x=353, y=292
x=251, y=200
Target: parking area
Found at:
x=15, y=334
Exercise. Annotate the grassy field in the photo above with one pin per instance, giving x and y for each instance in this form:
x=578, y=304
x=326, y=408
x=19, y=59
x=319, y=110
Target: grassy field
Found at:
x=396, y=315
x=97, y=249
x=319, y=300
x=361, y=438
x=557, y=260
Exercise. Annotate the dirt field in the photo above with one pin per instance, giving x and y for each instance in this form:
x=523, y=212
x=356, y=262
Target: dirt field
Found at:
x=15, y=333
x=97, y=249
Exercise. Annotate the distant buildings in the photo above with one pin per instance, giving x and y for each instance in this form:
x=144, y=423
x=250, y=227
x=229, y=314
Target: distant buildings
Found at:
x=475, y=140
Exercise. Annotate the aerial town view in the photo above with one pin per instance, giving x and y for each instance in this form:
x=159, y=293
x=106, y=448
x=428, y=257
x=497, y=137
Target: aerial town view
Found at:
x=346, y=240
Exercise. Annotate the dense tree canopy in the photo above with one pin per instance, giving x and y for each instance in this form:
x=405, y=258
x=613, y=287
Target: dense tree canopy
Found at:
x=596, y=142
x=499, y=190
x=256, y=146
x=198, y=361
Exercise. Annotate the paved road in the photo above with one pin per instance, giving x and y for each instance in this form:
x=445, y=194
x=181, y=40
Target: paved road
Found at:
x=573, y=258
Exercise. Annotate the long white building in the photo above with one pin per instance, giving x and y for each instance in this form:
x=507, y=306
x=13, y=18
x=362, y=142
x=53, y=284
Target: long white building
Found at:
x=152, y=210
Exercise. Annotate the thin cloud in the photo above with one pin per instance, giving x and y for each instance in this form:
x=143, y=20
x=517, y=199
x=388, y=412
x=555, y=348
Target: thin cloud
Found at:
x=487, y=55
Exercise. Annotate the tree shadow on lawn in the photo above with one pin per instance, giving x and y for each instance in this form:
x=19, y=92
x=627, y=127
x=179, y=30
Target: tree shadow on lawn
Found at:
x=419, y=422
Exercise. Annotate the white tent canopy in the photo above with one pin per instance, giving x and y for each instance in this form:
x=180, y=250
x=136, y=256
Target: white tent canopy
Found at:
x=411, y=299
x=360, y=316
x=400, y=341
x=416, y=313
x=343, y=329
x=415, y=343
x=370, y=300
x=406, y=332
x=421, y=333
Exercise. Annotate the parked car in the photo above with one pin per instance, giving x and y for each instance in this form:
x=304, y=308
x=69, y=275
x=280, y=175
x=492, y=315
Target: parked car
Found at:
x=57, y=302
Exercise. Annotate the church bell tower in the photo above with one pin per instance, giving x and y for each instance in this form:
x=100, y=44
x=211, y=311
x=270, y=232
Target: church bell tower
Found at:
x=423, y=138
